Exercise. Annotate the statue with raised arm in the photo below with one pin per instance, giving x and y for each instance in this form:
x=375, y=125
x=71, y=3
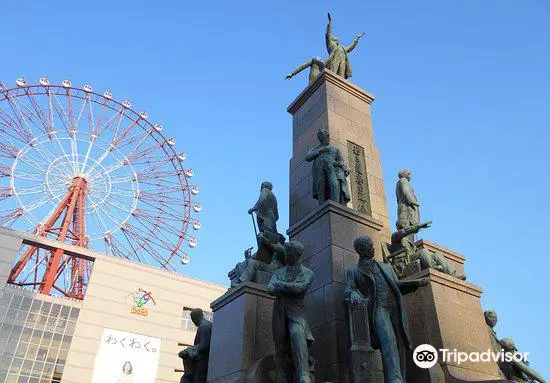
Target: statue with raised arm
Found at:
x=338, y=62
x=315, y=65
x=376, y=284
x=407, y=203
x=517, y=371
x=195, y=358
x=291, y=334
x=329, y=171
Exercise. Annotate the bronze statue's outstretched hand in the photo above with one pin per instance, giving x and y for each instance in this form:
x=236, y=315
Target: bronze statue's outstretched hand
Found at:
x=361, y=35
x=288, y=77
x=425, y=225
x=329, y=17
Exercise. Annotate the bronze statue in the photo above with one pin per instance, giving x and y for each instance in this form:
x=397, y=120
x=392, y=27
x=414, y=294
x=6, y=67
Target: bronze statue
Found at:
x=514, y=370
x=195, y=358
x=266, y=209
x=329, y=171
x=291, y=333
x=377, y=283
x=402, y=239
x=315, y=65
x=259, y=266
x=407, y=203
x=338, y=61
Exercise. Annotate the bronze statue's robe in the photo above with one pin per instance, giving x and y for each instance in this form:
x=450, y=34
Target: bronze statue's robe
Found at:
x=338, y=61
x=329, y=178
x=267, y=211
x=407, y=211
x=388, y=326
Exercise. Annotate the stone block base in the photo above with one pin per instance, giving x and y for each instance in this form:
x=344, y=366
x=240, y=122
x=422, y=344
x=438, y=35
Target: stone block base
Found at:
x=327, y=234
x=447, y=314
x=241, y=332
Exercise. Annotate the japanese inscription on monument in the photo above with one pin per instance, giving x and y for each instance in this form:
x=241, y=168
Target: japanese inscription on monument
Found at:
x=358, y=178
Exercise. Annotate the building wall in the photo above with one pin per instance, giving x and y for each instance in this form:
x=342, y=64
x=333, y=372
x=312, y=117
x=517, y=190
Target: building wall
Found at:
x=35, y=335
x=109, y=304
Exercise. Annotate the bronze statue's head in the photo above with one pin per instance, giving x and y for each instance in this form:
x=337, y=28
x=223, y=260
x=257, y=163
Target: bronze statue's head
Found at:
x=293, y=252
x=490, y=318
x=266, y=185
x=323, y=136
x=196, y=316
x=335, y=40
x=364, y=246
x=404, y=173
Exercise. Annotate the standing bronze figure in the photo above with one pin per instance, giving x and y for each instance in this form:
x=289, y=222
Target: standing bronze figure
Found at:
x=291, y=333
x=407, y=203
x=329, y=171
x=195, y=358
x=266, y=209
x=377, y=283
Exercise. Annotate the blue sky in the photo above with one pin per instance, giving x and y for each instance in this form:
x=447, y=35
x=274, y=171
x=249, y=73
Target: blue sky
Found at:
x=461, y=99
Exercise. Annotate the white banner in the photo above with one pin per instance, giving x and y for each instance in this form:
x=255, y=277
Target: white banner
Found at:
x=124, y=357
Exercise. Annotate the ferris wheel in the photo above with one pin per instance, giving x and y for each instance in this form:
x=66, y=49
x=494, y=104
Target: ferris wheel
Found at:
x=82, y=168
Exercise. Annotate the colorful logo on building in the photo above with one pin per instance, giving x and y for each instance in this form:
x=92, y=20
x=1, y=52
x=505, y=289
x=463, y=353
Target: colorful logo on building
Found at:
x=141, y=298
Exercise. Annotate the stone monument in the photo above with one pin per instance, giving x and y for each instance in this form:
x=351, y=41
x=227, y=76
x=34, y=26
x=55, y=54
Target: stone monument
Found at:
x=327, y=230
x=337, y=194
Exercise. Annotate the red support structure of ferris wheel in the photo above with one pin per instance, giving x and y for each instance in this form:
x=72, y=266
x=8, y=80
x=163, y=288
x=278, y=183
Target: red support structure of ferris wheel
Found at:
x=84, y=169
x=73, y=207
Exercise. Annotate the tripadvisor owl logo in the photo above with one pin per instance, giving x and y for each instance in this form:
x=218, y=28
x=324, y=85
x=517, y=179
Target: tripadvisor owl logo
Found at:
x=425, y=356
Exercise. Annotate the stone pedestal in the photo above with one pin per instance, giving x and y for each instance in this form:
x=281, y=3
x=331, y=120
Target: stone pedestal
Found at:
x=447, y=314
x=241, y=332
x=342, y=108
x=362, y=357
x=327, y=234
